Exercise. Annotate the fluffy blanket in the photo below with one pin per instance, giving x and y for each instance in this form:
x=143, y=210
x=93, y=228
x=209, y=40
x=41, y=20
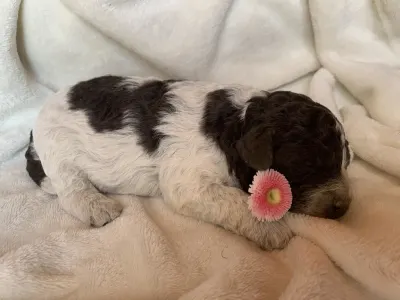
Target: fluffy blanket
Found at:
x=150, y=252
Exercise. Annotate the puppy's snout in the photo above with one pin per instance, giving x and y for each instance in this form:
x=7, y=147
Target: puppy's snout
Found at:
x=338, y=209
x=330, y=201
x=338, y=201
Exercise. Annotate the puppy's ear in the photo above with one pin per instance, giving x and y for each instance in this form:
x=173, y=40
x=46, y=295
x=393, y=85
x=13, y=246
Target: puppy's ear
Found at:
x=255, y=148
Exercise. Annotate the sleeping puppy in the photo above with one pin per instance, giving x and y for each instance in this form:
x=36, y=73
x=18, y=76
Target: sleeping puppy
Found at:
x=197, y=144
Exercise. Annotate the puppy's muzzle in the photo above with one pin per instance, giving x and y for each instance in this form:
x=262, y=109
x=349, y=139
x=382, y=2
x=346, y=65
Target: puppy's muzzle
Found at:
x=329, y=201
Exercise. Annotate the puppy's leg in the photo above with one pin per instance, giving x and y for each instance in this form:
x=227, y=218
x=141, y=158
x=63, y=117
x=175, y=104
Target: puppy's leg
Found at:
x=80, y=198
x=196, y=195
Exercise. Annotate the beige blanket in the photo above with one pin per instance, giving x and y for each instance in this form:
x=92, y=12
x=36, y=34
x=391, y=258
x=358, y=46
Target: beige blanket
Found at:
x=151, y=253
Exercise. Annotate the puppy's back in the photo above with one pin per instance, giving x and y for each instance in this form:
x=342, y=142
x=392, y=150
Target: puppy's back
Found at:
x=119, y=129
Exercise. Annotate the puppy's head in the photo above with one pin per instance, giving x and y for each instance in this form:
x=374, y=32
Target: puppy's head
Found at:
x=304, y=141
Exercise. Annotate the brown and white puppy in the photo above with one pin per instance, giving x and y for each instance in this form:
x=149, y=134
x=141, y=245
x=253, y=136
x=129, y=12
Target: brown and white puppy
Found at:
x=198, y=144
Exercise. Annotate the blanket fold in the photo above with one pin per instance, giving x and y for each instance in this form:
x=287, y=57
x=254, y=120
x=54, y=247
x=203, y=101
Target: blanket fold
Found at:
x=352, y=43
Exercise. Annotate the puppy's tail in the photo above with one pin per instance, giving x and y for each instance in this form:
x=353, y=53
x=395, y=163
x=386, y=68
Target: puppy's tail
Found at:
x=35, y=169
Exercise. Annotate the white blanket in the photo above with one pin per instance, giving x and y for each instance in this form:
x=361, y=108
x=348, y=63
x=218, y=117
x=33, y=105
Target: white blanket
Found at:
x=151, y=253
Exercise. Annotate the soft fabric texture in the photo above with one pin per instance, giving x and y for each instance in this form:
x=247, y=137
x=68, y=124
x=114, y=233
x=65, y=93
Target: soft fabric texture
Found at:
x=151, y=253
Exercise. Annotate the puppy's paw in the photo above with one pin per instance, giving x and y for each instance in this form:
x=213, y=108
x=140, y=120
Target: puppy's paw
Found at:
x=271, y=235
x=277, y=242
x=103, y=210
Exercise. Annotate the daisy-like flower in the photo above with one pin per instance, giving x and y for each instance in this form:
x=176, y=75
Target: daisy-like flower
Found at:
x=270, y=195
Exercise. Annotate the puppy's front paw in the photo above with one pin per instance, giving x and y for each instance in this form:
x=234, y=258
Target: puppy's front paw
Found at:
x=277, y=242
x=271, y=235
x=103, y=210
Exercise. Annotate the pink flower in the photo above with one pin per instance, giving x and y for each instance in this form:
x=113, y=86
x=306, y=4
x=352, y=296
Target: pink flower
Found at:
x=270, y=195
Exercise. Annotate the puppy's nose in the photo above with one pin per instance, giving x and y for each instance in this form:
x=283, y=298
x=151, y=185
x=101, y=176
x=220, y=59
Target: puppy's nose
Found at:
x=337, y=210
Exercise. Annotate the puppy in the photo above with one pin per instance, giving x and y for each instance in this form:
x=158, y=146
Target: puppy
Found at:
x=197, y=144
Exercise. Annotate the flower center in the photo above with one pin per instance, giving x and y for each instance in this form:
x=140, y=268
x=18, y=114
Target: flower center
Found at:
x=273, y=196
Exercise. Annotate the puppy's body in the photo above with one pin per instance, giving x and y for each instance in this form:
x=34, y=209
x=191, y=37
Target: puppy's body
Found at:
x=127, y=159
x=197, y=144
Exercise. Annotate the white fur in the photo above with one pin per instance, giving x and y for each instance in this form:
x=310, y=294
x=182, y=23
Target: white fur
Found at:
x=188, y=169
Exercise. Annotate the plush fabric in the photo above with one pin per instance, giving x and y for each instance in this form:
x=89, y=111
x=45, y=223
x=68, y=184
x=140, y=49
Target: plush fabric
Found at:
x=150, y=252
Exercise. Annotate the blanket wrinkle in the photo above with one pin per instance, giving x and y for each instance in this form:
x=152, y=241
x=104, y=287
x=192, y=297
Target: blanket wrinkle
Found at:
x=383, y=142
x=240, y=18
x=78, y=51
x=373, y=250
x=18, y=91
x=150, y=252
x=370, y=72
x=163, y=39
x=388, y=11
x=322, y=90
